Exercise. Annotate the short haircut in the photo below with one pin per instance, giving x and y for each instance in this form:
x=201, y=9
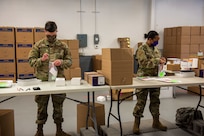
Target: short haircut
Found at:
x=50, y=26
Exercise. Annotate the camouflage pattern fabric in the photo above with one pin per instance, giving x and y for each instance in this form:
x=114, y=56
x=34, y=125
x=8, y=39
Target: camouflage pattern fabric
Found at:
x=42, y=101
x=148, y=59
x=56, y=50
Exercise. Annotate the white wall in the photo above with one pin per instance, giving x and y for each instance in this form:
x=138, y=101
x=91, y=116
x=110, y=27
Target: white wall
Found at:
x=116, y=18
x=171, y=13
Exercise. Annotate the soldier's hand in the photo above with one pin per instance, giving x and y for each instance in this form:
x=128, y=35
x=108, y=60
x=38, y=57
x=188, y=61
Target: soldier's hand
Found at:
x=45, y=57
x=57, y=62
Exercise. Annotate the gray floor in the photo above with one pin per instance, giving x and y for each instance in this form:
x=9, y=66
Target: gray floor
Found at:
x=25, y=112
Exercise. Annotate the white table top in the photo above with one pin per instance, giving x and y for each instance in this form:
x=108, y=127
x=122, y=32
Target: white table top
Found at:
x=188, y=81
x=51, y=88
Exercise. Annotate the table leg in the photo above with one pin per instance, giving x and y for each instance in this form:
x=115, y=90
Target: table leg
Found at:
x=87, y=116
x=110, y=110
x=119, y=119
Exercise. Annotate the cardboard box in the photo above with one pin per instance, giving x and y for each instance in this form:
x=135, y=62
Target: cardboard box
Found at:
x=24, y=67
x=200, y=62
x=183, y=31
x=173, y=40
x=75, y=72
x=67, y=74
x=63, y=40
x=197, y=71
x=7, y=122
x=86, y=75
x=118, y=72
x=25, y=75
x=202, y=39
x=183, y=55
x=180, y=49
x=201, y=47
x=7, y=51
x=24, y=35
x=183, y=39
x=174, y=31
x=124, y=93
x=7, y=66
x=73, y=44
x=23, y=49
x=7, y=35
x=167, y=32
x=194, y=48
x=117, y=53
x=82, y=112
x=173, y=67
x=39, y=33
x=75, y=54
x=195, y=30
x=96, y=80
x=75, y=63
x=195, y=89
x=97, y=62
x=202, y=30
x=8, y=77
x=195, y=39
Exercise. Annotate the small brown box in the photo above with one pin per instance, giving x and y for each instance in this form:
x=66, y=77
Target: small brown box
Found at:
x=75, y=63
x=202, y=30
x=124, y=93
x=96, y=80
x=24, y=67
x=195, y=39
x=7, y=122
x=7, y=35
x=75, y=54
x=82, y=112
x=7, y=51
x=73, y=44
x=183, y=39
x=39, y=34
x=23, y=49
x=75, y=72
x=86, y=75
x=67, y=74
x=97, y=62
x=183, y=31
x=173, y=67
x=195, y=30
x=24, y=35
x=7, y=66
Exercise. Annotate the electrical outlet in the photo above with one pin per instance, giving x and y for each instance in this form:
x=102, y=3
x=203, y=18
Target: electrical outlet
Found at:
x=82, y=40
x=96, y=46
x=96, y=39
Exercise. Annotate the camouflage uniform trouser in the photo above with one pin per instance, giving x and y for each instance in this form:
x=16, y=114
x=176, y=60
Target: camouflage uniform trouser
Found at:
x=42, y=102
x=142, y=98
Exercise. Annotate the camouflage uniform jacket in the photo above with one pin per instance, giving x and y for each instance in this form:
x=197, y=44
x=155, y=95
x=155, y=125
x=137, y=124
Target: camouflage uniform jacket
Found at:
x=57, y=50
x=148, y=59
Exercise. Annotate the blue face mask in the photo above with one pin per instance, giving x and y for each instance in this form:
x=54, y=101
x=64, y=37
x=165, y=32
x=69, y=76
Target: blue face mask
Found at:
x=155, y=43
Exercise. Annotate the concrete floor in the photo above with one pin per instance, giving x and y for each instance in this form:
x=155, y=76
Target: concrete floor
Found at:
x=25, y=112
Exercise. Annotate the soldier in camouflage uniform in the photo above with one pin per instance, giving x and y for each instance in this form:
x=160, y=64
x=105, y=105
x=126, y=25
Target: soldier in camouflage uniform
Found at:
x=149, y=58
x=43, y=52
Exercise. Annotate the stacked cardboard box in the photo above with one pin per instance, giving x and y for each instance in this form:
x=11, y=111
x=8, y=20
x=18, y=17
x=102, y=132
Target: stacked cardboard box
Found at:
x=24, y=43
x=38, y=34
x=183, y=42
x=97, y=62
x=7, y=122
x=117, y=65
x=7, y=54
x=74, y=70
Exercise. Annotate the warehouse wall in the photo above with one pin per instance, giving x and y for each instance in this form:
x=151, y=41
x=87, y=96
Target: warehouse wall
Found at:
x=116, y=18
